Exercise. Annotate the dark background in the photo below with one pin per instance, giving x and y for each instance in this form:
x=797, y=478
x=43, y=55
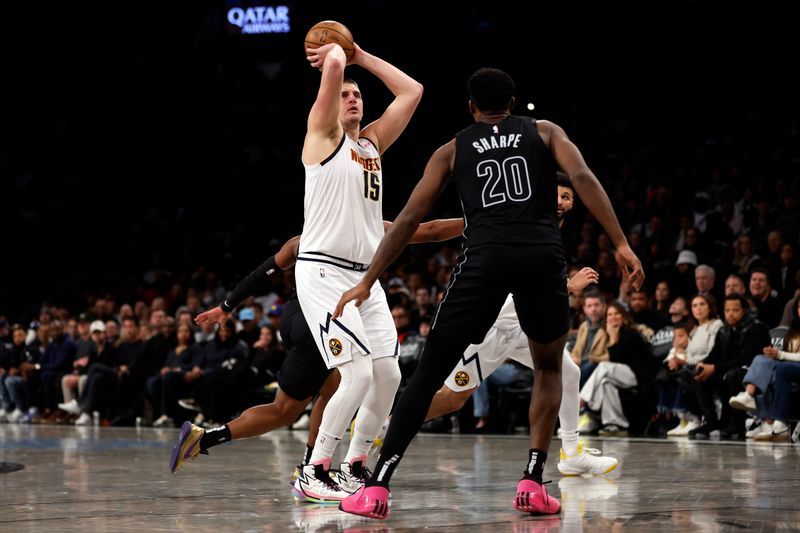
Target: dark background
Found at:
x=131, y=131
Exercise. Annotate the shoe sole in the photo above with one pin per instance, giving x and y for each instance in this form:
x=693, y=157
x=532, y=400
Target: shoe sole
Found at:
x=576, y=473
x=530, y=510
x=736, y=404
x=369, y=514
x=302, y=497
x=175, y=461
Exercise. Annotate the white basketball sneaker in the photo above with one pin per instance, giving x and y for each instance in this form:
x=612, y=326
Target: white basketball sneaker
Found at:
x=352, y=476
x=314, y=484
x=586, y=461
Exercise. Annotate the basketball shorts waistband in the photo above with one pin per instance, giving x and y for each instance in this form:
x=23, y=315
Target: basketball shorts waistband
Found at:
x=319, y=257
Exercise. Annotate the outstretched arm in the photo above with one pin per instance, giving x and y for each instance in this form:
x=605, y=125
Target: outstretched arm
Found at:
x=407, y=94
x=441, y=229
x=285, y=258
x=588, y=187
x=433, y=181
x=324, y=131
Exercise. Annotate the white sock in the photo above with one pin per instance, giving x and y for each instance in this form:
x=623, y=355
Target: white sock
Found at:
x=569, y=441
x=359, y=446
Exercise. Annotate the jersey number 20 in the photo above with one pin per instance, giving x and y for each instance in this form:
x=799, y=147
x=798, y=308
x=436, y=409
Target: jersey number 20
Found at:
x=506, y=180
x=372, y=186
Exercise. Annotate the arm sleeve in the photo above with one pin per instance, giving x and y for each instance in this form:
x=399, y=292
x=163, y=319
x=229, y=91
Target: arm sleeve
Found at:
x=249, y=285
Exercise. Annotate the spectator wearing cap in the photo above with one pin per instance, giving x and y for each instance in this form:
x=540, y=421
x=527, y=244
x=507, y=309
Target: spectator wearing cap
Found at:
x=73, y=385
x=683, y=281
x=249, y=332
x=275, y=314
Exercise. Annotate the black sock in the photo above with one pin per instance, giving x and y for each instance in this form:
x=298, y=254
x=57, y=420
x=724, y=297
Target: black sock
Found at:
x=383, y=471
x=536, y=459
x=212, y=437
x=307, y=457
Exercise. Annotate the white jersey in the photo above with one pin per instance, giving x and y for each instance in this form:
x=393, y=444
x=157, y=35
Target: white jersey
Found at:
x=343, y=198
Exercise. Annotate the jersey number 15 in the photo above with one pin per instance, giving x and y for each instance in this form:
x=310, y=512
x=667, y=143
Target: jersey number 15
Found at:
x=372, y=186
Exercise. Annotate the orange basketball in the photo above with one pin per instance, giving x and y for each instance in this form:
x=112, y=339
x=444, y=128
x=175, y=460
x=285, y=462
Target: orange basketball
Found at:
x=330, y=31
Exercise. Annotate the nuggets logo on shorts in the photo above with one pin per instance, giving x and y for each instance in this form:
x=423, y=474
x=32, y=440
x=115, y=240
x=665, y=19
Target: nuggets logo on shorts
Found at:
x=462, y=378
x=336, y=346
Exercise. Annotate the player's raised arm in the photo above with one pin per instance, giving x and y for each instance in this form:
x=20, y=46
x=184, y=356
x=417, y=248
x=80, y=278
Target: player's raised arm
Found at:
x=588, y=187
x=324, y=129
x=407, y=93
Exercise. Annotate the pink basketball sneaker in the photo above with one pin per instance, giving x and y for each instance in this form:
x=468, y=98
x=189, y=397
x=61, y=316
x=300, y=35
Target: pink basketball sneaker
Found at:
x=372, y=502
x=532, y=498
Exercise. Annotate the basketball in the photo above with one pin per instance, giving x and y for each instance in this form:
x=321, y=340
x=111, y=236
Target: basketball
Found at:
x=330, y=31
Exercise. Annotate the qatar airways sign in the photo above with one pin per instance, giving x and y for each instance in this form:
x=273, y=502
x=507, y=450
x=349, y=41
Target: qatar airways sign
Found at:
x=252, y=18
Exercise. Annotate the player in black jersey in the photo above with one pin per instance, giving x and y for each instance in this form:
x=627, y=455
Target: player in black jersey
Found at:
x=303, y=373
x=504, y=167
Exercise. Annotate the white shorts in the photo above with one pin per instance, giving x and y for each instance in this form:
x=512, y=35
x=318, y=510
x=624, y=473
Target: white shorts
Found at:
x=368, y=329
x=505, y=340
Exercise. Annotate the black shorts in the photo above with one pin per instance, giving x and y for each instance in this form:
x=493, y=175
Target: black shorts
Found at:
x=484, y=276
x=303, y=371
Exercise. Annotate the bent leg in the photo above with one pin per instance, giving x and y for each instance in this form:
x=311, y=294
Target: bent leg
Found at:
x=265, y=418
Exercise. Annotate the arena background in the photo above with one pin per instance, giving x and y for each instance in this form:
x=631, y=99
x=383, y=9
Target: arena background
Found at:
x=132, y=131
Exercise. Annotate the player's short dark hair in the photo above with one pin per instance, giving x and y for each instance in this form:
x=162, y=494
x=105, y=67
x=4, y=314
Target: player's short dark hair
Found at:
x=491, y=89
x=349, y=80
x=563, y=181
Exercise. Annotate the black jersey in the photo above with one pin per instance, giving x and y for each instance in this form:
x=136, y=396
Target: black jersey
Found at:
x=506, y=178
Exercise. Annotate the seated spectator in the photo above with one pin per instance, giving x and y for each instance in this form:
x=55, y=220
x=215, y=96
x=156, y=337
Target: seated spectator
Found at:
x=591, y=341
x=73, y=385
x=629, y=364
x=735, y=345
x=217, y=393
x=678, y=311
x=56, y=361
x=175, y=379
x=745, y=258
x=768, y=307
x=12, y=392
x=768, y=385
x=641, y=313
x=661, y=301
x=672, y=397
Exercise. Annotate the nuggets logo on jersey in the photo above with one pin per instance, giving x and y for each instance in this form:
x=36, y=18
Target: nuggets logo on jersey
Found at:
x=335, y=346
x=462, y=379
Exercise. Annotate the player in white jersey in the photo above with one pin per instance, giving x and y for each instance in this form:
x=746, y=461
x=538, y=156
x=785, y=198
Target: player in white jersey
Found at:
x=343, y=226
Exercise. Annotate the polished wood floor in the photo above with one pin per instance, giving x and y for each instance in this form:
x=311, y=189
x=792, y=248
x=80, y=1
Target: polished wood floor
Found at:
x=117, y=479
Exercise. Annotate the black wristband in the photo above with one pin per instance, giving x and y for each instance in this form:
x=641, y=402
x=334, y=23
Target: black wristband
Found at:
x=249, y=285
